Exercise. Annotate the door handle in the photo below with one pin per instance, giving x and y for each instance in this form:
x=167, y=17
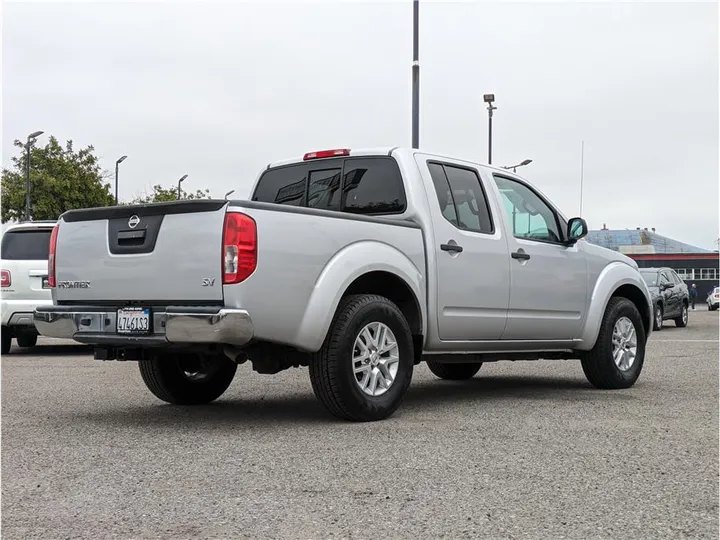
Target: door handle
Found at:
x=451, y=247
x=520, y=255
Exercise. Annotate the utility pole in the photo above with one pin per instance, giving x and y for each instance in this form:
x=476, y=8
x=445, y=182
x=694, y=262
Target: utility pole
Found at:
x=30, y=140
x=416, y=77
x=489, y=98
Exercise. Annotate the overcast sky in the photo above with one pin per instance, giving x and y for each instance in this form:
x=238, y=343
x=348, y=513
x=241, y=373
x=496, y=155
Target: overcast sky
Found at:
x=218, y=90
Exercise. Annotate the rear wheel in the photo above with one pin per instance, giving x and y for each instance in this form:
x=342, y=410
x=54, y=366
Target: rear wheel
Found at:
x=617, y=358
x=26, y=340
x=365, y=365
x=187, y=379
x=658, y=318
x=6, y=340
x=454, y=372
x=682, y=320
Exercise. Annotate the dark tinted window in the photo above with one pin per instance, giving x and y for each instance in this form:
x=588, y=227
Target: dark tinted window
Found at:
x=373, y=186
x=324, y=189
x=26, y=245
x=442, y=189
x=284, y=185
x=462, y=199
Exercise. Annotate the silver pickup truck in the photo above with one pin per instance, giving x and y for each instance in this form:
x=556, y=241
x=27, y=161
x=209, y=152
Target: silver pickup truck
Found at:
x=357, y=264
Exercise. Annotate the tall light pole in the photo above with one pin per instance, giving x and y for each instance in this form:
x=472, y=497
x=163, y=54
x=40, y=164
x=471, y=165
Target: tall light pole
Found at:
x=118, y=162
x=416, y=76
x=30, y=140
x=521, y=164
x=229, y=193
x=489, y=98
x=180, y=182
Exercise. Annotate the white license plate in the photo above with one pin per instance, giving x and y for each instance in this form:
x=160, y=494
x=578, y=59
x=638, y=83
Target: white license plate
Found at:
x=133, y=321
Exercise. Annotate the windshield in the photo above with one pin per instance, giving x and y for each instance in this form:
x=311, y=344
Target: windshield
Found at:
x=28, y=245
x=651, y=278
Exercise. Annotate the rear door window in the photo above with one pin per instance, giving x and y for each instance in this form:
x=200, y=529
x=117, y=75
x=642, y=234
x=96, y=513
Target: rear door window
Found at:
x=462, y=198
x=371, y=185
x=28, y=245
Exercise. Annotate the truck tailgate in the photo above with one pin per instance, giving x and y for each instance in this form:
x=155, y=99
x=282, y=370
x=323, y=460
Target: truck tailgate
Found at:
x=160, y=253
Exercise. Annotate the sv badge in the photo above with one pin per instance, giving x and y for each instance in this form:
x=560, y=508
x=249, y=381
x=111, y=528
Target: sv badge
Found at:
x=208, y=282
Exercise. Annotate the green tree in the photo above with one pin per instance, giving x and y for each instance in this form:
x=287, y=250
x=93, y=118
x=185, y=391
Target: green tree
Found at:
x=61, y=179
x=161, y=194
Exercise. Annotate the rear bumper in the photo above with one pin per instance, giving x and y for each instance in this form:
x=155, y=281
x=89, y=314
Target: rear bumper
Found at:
x=20, y=312
x=170, y=325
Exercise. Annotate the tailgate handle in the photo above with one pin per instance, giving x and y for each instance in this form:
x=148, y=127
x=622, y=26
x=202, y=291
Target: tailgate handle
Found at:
x=131, y=237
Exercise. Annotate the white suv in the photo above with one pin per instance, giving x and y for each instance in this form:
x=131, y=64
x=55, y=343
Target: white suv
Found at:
x=713, y=299
x=24, y=260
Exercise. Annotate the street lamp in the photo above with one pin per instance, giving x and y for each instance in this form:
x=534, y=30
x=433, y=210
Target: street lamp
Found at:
x=180, y=182
x=31, y=139
x=521, y=164
x=489, y=98
x=118, y=162
x=229, y=193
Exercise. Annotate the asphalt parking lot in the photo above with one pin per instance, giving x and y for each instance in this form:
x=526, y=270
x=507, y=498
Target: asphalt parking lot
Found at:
x=524, y=450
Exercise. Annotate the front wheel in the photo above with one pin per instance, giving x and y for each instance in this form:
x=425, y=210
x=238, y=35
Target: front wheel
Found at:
x=682, y=320
x=365, y=365
x=617, y=358
x=454, y=372
x=658, y=318
x=187, y=379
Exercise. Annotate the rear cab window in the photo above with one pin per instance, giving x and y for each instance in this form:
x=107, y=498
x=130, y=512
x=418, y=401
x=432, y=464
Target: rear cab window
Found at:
x=26, y=245
x=367, y=185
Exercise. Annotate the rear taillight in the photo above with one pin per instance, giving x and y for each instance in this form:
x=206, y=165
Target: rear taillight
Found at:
x=239, y=247
x=51, y=256
x=6, y=278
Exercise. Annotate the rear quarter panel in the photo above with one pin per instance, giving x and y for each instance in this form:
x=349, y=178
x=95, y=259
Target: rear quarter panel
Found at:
x=306, y=260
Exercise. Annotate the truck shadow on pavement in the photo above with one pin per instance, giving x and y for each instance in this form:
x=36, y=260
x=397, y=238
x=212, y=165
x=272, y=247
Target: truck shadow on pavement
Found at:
x=422, y=396
x=74, y=349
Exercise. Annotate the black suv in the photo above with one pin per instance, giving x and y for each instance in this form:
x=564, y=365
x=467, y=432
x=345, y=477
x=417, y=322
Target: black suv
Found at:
x=669, y=294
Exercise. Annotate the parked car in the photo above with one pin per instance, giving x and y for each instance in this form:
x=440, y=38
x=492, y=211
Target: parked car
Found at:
x=24, y=260
x=713, y=299
x=357, y=264
x=670, y=296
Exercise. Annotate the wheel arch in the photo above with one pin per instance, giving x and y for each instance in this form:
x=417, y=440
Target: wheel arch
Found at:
x=390, y=273
x=616, y=280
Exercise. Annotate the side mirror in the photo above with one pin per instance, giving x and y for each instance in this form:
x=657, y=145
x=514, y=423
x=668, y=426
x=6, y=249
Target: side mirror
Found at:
x=666, y=286
x=576, y=229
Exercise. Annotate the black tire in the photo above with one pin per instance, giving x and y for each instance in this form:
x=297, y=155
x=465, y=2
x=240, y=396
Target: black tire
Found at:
x=26, y=340
x=598, y=364
x=164, y=375
x=454, y=372
x=6, y=340
x=682, y=320
x=332, y=371
x=658, y=317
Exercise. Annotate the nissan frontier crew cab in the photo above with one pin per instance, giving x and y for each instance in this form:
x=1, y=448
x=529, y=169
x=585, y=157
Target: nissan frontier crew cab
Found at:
x=358, y=264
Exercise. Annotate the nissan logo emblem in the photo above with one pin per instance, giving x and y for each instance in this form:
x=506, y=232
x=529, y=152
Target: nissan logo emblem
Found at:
x=133, y=222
